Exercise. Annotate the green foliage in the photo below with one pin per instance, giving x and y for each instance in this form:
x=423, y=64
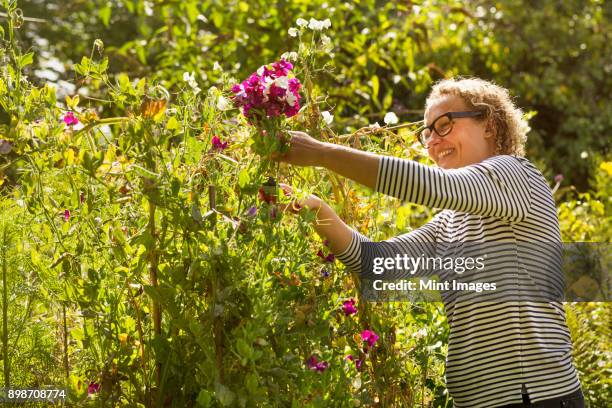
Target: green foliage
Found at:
x=134, y=262
x=385, y=55
x=589, y=325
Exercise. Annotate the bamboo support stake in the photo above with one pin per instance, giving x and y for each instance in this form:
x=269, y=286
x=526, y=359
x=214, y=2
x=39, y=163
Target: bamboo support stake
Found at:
x=217, y=320
x=153, y=278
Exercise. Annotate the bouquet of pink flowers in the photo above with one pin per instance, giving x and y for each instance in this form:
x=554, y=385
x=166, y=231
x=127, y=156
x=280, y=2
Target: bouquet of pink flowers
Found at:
x=266, y=98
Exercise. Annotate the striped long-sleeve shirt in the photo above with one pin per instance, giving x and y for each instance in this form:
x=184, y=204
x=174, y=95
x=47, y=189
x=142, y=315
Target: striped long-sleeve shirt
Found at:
x=499, y=350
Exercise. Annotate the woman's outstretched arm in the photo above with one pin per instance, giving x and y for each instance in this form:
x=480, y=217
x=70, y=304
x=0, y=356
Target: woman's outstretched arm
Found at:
x=354, y=164
x=499, y=186
x=346, y=242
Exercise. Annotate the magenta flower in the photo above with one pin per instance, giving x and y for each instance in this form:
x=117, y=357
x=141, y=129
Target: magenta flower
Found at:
x=370, y=337
x=315, y=365
x=348, y=307
x=70, y=119
x=93, y=388
x=269, y=92
x=358, y=362
x=326, y=243
x=329, y=258
x=217, y=144
x=66, y=215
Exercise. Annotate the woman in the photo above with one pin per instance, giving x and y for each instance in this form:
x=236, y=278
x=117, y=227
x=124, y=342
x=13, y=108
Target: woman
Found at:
x=499, y=354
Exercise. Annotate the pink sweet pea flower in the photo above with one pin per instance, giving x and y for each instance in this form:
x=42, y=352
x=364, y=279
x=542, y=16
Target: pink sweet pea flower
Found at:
x=217, y=144
x=315, y=365
x=329, y=258
x=348, y=307
x=559, y=178
x=268, y=93
x=70, y=119
x=370, y=337
x=358, y=362
x=93, y=388
x=66, y=215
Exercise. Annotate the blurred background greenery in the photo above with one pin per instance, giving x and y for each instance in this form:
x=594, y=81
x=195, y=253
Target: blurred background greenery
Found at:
x=554, y=56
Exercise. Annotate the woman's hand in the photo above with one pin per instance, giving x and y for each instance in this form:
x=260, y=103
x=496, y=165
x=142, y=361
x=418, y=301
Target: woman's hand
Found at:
x=303, y=150
x=312, y=202
x=327, y=223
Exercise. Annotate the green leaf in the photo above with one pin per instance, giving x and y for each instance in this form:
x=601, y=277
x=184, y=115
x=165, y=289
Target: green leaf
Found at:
x=204, y=398
x=77, y=333
x=105, y=14
x=173, y=124
x=252, y=383
x=124, y=82
x=103, y=66
x=217, y=19
x=388, y=100
x=243, y=178
x=409, y=55
x=243, y=6
x=26, y=59
x=192, y=12
x=224, y=395
x=243, y=348
x=375, y=89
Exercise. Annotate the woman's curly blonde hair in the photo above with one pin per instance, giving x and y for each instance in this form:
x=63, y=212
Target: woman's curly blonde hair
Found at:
x=495, y=101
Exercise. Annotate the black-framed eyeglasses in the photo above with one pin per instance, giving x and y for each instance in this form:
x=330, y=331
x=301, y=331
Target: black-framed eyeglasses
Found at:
x=443, y=125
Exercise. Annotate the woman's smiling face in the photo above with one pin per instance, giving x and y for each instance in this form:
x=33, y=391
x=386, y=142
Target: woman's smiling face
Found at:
x=469, y=142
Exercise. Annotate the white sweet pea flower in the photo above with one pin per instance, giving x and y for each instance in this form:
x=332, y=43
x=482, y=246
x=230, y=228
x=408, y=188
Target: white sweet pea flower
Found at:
x=327, y=117
x=391, y=118
x=315, y=24
x=327, y=44
x=217, y=66
x=584, y=155
x=260, y=70
x=290, y=56
x=282, y=82
x=374, y=125
x=188, y=77
x=326, y=23
x=242, y=91
x=301, y=22
x=293, y=32
x=291, y=99
x=223, y=103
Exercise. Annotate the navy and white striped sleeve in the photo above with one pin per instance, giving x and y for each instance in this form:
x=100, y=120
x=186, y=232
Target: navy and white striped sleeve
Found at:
x=413, y=243
x=498, y=186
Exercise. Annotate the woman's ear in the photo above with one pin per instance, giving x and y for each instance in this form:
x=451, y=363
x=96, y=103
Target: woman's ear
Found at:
x=490, y=131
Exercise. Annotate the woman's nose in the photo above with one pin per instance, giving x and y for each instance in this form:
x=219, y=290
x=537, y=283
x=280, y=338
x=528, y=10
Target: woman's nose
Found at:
x=434, y=139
